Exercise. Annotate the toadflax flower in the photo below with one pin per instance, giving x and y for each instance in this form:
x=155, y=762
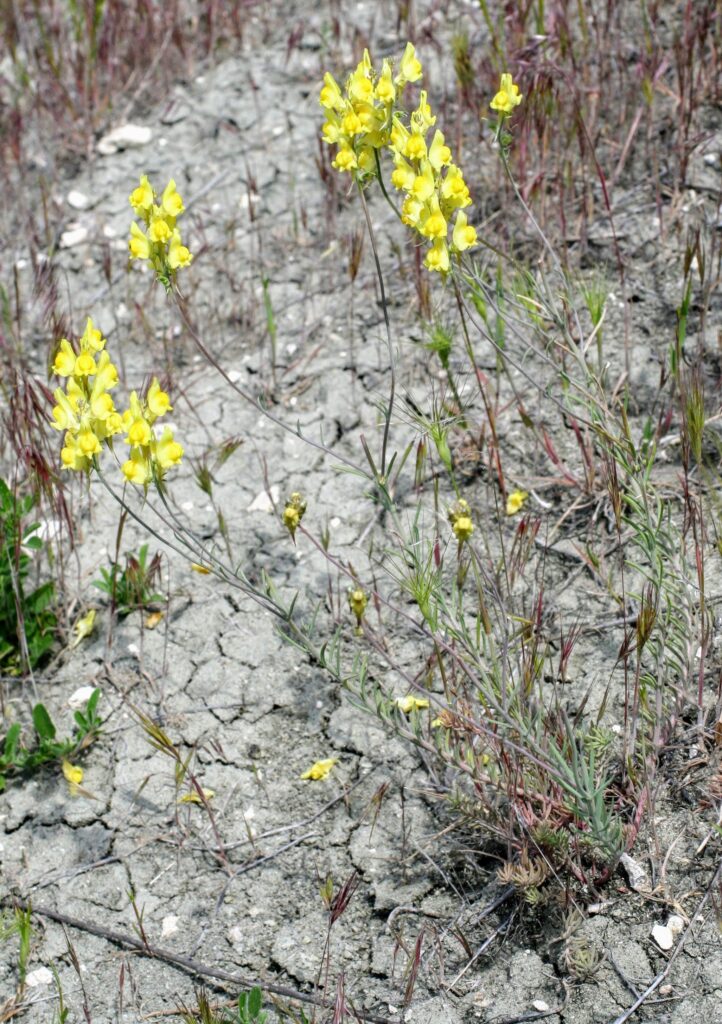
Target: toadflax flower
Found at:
x=85, y=412
x=508, y=97
x=459, y=516
x=320, y=769
x=515, y=501
x=410, y=703
x=158, y=240
x=293, y=513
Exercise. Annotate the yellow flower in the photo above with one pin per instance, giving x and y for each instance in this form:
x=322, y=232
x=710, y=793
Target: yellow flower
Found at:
x=102, y=406
x=434, y=226
x=71, y=456
x=330, y=98
x=422, y=119
x=141, y=198
x=415, y=146
x=410, y=703
x=293, y=513
x=463, y=528
x=84, y=365
x=437, y=258
x=139, y=433
x=64, y=364
x=171, y=202
x=439, y=152
x=422, y=187
x=158, y=401
x=83, y=627
x=403, y=176
x=360, y=87
x=507, y=97
x=139, y=245
x=320, y=769
x=345, y=159
x=194, y=796
x=515, y=501
x=137, y=469
x=411, y=212
x=454, y=189
x=73, y=774
x=357, y=601
x=88, y=443
x=167, y=451
x=92, y=338
x=464, y=235
x=178, y=254
x=106, y=375
x=409, y=67
x=385, y=86
x=352, y=124
x=200, y=569
x=158, y=230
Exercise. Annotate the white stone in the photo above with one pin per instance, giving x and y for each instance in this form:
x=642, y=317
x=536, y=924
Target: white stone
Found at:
x=126, y=136
x=42, y=976
x=540, y=1005
x=663, y=936
x=262, y=502
x=80, y=697
x=675, y=924
x=169, y=926
x=235, y=935
x=78, y=200
x=234, y=376
x=73, y=236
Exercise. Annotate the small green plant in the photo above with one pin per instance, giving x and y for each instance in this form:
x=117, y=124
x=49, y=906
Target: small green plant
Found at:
x=248, y=1010
x=18, y=922
x=16, y=757
x=27, y=622
x=133, y=585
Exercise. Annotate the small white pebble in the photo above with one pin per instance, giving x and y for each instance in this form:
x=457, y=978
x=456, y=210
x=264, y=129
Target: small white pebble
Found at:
x=335, y=522
x=78, y=200
x=42, y=976
x=540, y=1005
x=663, y=936
x=234, y=376
x=187, y=506
x=74, y=236
x=169, y=926
x=80, y=697
x=675, y=923
x=262, y=502
x=133, y=649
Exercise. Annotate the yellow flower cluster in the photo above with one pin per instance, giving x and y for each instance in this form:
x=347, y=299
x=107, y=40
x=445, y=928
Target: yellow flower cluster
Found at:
x=150, y=456
x=366, y=117
x=160, y=243
x=85, y=411
x=359, y=119
x=434, y=187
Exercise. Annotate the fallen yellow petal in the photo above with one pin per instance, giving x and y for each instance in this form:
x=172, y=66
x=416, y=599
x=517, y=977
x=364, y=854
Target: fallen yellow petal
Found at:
x=200, y=568
x=153, y=619
x=83, y=627
x=515, y=501
x=194, y=797
x=410, y=703
x=320, y=769
x=72, y=773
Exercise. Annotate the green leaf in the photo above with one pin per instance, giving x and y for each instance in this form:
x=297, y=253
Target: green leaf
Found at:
x=11, y=742
x=255, y=1000
x=43, y=723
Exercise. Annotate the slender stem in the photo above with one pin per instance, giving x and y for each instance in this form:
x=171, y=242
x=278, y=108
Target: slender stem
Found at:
x=392, y=388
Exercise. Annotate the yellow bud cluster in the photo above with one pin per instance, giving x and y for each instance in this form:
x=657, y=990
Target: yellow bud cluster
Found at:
x=160, y=242
x=367, y=117
x=85, y=411
x=359, y=117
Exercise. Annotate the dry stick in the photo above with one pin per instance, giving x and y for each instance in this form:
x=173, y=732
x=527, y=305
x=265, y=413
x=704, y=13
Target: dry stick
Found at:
x=623, y=1017
x=185, y=963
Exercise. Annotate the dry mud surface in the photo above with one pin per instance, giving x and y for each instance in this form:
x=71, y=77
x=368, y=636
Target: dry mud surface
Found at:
x=240, y=141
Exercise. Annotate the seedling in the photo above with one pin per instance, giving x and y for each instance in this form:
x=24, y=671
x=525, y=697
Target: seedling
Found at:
x=16, y=757
x=132, y=586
